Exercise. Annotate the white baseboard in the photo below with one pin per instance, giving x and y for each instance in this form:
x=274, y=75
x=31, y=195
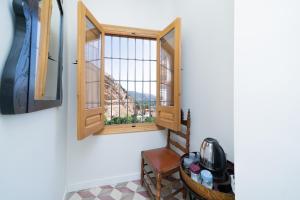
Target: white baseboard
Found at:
x=65, y=194
x=105, y=181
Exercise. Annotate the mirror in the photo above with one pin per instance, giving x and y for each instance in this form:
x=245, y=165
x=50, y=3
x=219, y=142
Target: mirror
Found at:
x=32, y=75
x=45, y=88
x=53, y=54
x=47, y=65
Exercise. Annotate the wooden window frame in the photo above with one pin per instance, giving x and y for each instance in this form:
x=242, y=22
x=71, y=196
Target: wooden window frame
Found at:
x=89, y=120
x=137, y=33
x=169, y=116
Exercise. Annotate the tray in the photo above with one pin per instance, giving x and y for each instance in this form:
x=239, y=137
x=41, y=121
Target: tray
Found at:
x=200, y=190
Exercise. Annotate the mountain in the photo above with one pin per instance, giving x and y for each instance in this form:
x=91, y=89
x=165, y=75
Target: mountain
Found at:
x=116, y=98
x=140, y=96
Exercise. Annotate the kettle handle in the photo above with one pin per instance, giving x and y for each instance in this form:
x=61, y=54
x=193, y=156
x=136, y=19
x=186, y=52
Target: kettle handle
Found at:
x=222, y=157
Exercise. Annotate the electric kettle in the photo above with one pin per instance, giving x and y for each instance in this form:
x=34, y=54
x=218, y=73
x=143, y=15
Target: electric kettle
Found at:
x=212, y=156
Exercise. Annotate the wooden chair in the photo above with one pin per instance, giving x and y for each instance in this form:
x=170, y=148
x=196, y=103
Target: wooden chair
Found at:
x=164, y=162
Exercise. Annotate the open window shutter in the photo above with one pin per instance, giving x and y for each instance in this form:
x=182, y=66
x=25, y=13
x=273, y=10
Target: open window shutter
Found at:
x=90, y=74
x=168, y=103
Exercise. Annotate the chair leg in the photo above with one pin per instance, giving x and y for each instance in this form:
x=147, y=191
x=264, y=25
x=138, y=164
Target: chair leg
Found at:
x=158, y=186
x=184, y=193
x=142, y=170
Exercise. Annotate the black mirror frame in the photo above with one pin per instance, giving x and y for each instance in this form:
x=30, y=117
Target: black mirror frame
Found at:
x=33, y=104
x=18, y=79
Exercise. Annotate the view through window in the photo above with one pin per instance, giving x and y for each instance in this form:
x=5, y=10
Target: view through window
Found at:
x=130, y=80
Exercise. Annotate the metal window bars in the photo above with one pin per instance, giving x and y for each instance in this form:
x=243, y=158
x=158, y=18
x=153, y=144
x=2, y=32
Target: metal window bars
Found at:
x=139, y=87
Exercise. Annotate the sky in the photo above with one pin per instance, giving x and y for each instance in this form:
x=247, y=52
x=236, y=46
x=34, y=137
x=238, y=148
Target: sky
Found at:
x=144, y=59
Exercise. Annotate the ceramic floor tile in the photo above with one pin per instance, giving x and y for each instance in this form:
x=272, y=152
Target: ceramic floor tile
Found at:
x=144, y=194
x=132, y=186
x=140, y=189
x=106, y=198
x=125, y=190
x=116, y=194
x=107, y=187
x=86, y=194
x=131, y=190
x=138, y=196
x=95, y=191
x=127, y=197
x=138, y=182
x=105, y=192
x=121, y=185
x=75, y=196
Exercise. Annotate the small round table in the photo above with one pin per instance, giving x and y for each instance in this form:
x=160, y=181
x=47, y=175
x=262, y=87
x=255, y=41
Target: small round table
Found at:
x=197, y=191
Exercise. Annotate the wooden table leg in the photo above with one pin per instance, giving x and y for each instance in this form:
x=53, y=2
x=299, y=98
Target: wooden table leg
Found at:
x=158, y=186
x=184, y=193
x=142, y=170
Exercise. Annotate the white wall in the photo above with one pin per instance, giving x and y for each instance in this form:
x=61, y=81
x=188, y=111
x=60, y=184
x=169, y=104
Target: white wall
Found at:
x=32, y=146
x=207, y=60
x=106, y=159
x=267, y=96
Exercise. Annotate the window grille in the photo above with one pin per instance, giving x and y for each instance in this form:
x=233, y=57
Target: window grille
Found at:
x=130, y=80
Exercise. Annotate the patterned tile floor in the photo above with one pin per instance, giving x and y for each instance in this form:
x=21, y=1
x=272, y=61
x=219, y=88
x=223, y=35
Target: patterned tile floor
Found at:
x=131, y=190
x=122, y=191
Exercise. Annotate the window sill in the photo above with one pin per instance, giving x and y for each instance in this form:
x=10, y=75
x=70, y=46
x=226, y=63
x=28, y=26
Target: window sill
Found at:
x=129, y=128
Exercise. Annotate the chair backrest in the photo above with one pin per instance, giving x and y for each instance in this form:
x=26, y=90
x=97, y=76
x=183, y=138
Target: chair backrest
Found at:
x=177, y=146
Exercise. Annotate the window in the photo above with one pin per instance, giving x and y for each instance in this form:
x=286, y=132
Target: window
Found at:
x=169, y=77
x=90, y=83
x=128, y=78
